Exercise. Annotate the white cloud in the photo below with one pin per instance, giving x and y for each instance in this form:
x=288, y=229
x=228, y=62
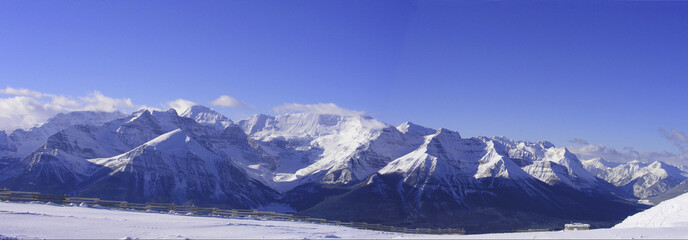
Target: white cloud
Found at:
x=227, y=101
x=22, y=92
x=25, y=108
x=579, y=141
x=181, y=105
x=96, y=101
x=679, y=138
x=321, y=108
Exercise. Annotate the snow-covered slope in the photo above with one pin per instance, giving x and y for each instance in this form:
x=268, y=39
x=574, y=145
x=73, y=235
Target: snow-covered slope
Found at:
x=42, y=221
x=640, y=179
x=174, y=167
x=30, y=221
x=670, y=213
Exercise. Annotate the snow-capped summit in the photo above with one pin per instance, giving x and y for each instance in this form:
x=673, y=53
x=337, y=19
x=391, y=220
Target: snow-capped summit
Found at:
x=447, y=157
x=597, y=165
x=256, y=123
x=414, y=129
x=313, y=125
x=313, y=146
x=548, y=163
x=205, y=115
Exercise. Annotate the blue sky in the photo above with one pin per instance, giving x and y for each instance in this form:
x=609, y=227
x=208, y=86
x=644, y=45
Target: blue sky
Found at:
x=611, y=73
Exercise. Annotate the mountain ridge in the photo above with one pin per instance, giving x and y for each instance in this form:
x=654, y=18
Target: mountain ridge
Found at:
x=315, y=162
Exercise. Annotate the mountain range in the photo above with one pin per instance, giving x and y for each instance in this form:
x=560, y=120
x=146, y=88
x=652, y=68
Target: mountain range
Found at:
x=341, y=167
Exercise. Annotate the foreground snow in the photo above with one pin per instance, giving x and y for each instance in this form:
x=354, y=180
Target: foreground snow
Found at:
x=27, y=220
x=672, y=213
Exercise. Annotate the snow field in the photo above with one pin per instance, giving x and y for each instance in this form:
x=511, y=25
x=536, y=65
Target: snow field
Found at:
x=33, y=220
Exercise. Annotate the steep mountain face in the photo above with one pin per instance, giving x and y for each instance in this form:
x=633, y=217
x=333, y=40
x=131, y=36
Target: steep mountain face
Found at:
x=345, y=167
x=640, y=179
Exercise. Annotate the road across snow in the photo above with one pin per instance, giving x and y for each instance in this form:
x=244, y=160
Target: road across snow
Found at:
x=35, y=220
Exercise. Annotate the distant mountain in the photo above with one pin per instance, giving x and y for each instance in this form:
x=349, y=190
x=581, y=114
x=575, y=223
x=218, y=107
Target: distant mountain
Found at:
x=639, y=179
x=344, y=167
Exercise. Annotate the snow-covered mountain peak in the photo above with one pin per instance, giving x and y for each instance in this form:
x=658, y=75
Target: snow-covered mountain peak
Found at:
x=548, y=163
x=206, y=116
x=160, y=152
x=443, y=132
x=175, y=137
x=546, y=144
x=496, y=163
x=63, y=120
x=446, y=155
x=312, y=125
x=135, y=115
x=410, y=128
x=256, y=123
x=22, y=142
x=165, y=156
x=323, y=147
x=600, y=163
x=444, y=142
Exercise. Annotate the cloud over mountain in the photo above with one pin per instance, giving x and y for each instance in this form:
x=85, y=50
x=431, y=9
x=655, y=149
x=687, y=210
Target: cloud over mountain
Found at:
x=180, y=105
x=24, y=108
x=322, y=108
x=227, y=101
x=677, y=137
x=579, y=141
x=627, y=154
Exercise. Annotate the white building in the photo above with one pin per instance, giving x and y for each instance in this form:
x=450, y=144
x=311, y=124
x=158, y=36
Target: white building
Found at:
x=576, y=226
